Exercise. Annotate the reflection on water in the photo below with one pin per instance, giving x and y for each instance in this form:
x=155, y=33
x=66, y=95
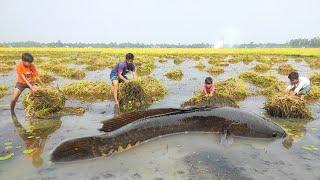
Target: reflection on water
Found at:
x=35, y=136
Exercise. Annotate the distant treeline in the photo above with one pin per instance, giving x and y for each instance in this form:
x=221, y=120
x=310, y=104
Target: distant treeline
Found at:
x=294, y=43
x=59, y=44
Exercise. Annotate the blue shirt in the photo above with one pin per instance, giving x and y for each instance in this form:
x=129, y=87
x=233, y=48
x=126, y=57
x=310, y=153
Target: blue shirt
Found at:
x=123, y=68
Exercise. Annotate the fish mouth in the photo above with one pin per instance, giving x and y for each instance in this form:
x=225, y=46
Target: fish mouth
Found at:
x=73, y=150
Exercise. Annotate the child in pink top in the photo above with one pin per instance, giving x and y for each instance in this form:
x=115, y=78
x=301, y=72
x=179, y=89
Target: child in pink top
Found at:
x=208, y=88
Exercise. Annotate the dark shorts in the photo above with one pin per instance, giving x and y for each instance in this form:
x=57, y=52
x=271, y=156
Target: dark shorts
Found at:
x=115, y=77
x=21, y=87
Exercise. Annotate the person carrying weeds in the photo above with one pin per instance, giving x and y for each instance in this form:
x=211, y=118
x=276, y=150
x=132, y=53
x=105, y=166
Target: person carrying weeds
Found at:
x=298, y=85
x=27, y=74
x=208, y=88
x=118, y=74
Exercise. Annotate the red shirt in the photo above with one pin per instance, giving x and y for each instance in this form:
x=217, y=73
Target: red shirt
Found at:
x=29, y=72
x=208, y=88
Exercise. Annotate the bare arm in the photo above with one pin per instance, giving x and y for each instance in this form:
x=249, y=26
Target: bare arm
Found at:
x=121, y=77
x=40, y=80
x=28, y=83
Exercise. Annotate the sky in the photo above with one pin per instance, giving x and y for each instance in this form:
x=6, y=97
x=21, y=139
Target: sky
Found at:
x=159, y=21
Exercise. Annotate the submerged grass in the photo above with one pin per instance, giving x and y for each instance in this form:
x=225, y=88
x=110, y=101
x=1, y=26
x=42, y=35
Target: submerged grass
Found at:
x=3, y=90
x=44, y=102
x=88, y=91
x=286, y=106
x=175, y=74
x=285, y=69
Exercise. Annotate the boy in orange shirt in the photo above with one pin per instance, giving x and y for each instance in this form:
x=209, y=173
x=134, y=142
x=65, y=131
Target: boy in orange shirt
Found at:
x=27, y=74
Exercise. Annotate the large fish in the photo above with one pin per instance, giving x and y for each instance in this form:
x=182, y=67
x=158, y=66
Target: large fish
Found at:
x=122, y=135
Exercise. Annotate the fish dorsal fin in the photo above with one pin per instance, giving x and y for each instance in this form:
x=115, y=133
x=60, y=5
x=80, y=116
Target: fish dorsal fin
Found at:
x=124, y=119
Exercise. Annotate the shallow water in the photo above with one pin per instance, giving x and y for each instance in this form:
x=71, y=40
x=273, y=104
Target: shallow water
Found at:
x=182, y=156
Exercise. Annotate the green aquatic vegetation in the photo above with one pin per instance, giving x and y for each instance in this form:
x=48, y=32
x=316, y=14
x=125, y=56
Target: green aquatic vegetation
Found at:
x=273, y=89
x=46, y=77
x=200, y=99
x=311, y=148
x=286, y=106
x=63, y=70
x=315, y=78
x=4, y=68
x=233, y=88
x=6, y=156
x=144, y=65
x=100, y=63
x=140, y=93
x=285, y=69
x=88, y=91
x=263, y=81
x=200, y=66
x=162, y=60
x=262, y=67
x=215, y=70
x=3, y=90
x=175, y=74
x=44, y=102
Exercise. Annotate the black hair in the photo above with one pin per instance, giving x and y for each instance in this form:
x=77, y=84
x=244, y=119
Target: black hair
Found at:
x=293, y=76
x=27, y=57
x=129, y=56
x=208, y=80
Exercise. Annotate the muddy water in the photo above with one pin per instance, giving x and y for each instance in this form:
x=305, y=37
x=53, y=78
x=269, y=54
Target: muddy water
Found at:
x=184, y=156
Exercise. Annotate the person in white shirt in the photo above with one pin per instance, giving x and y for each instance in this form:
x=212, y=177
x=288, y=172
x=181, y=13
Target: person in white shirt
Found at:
x=298, y=85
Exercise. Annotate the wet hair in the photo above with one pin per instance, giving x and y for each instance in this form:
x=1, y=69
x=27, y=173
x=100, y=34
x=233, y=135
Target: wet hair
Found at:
x=129, y=56
x=293, y=76
x=208, y=80
x=27, y=57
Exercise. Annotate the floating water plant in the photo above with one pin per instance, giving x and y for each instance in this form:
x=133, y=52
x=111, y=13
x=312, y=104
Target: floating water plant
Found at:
x=262, y=67
x=88, y=91
x=285, y=69
x=286, y=106
x=175, y=74
x=44, y=102
x=3, y=90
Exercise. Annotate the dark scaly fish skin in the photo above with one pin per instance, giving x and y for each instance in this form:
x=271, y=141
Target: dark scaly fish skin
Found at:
x=232, y=120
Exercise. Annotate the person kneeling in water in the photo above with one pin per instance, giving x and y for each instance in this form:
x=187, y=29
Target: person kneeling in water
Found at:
x=208, y=88
x=298, y=85
x=118, y=74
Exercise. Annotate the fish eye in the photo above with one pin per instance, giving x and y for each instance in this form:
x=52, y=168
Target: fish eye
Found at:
x=274, y=135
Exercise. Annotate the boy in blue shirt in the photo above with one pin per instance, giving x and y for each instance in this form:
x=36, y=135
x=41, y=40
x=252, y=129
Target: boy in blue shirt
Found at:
x=118, y=74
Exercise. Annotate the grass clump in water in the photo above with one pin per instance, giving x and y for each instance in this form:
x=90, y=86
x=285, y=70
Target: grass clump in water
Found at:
x=286, y=106
x=145, y=65
x=200, y=99
x=315, y=78
x=44, y=102
x=262, y=67
x=63, y=70
x=88, y=91
x=46, y=77
x=314, y=62
x=285, y=69
x=215, y=70
x=314, y=94
x=175, y=74
x=3, y=90
x=263, y=81
x=140, y=93
x=200, y=66
x=178, y=60
x=4, y=68
x=233, y=88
